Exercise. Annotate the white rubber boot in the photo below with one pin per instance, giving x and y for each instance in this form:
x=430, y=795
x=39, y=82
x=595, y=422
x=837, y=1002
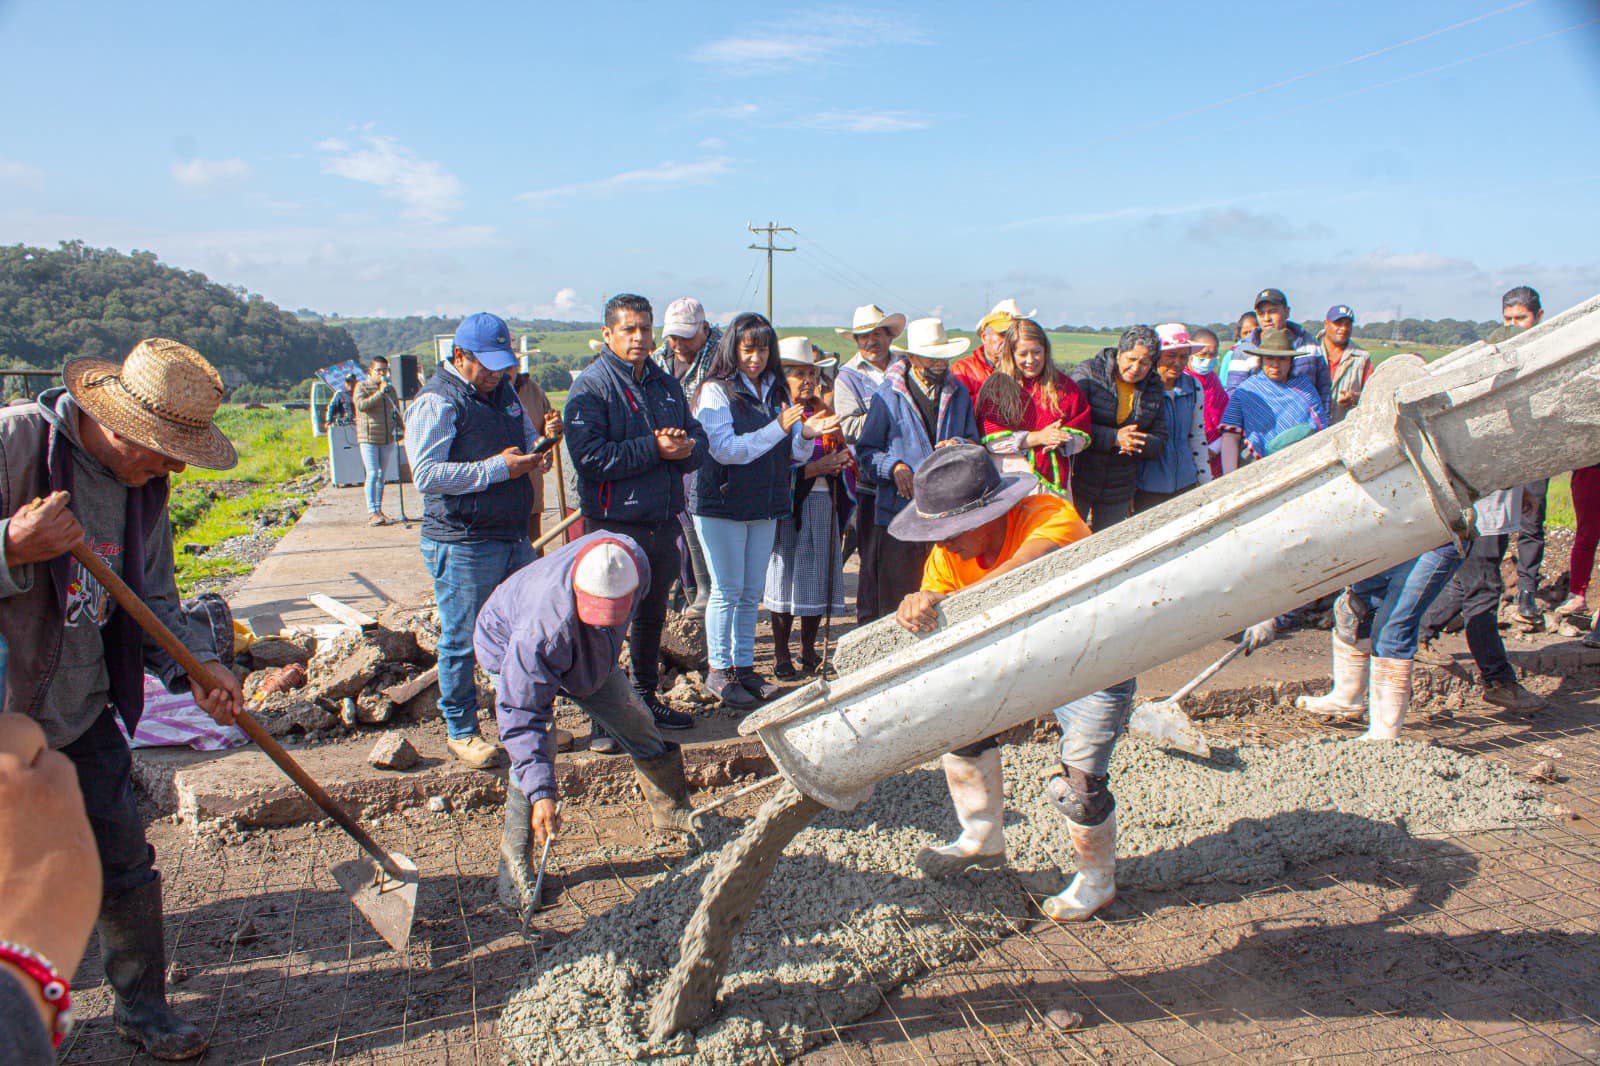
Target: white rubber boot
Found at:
x=1347, y=701
x=977, y=788
x=1096, y=882
x=1389, y=699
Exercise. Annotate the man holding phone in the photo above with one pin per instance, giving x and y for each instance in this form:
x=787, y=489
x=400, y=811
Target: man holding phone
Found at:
x=471, y=445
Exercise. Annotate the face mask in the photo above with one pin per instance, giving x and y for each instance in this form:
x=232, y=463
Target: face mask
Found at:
x=1203, y=365
x=934, y=375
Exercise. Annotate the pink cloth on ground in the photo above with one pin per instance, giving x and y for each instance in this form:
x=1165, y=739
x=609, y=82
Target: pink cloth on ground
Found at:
x=171, y=721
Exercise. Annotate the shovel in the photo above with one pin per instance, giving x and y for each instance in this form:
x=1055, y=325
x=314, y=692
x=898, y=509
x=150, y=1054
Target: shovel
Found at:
x=1164, y=722
x=383, y=887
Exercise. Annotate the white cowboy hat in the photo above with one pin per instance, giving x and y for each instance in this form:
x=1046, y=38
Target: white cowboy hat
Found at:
x=870, y=317
x=595, y=345
x=926, y=337
x=799, y=351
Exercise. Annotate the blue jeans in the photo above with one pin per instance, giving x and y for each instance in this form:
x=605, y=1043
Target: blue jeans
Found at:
x=463, y=576
x=1397, y=599
x=375, y=457
x=1091, y=725
x=736, y=555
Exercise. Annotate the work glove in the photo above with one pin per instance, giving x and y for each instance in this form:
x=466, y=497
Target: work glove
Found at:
x=1259, y=636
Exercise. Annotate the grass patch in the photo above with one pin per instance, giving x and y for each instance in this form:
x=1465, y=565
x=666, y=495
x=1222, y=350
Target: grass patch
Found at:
x=1558, y=504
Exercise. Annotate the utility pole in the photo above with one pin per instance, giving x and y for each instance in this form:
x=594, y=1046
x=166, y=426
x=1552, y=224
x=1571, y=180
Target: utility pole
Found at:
x=771, y=229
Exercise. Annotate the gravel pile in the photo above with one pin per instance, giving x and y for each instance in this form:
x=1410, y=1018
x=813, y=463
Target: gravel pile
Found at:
x=846, y=914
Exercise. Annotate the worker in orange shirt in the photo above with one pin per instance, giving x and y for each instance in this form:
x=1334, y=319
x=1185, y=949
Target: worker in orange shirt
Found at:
x=985, y=525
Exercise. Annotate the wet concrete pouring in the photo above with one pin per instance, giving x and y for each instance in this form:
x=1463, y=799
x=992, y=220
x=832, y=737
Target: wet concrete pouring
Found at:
x=1444, y=934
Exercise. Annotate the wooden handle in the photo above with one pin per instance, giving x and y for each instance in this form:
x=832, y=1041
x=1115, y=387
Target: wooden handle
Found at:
x=174, y=647
x=560, y=528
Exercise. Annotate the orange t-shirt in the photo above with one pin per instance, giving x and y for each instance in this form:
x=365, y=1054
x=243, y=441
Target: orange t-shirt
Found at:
x=1042, y=517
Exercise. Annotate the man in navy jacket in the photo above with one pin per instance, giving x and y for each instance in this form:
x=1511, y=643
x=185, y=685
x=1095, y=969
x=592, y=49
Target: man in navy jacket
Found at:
x=632, y=440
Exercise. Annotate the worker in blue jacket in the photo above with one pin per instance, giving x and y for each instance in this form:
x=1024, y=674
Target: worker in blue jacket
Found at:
x=554, y=628
x=632, y=440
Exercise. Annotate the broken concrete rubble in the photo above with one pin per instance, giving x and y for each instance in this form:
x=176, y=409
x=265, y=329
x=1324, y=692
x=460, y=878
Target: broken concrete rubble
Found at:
x=394, y=752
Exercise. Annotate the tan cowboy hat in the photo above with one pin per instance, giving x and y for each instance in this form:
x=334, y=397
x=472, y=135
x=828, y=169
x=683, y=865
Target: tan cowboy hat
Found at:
x=596, y=345
x=870, y=317
x=926, y=337
x=163, y=397
x=1006, y=311
x=799, y=351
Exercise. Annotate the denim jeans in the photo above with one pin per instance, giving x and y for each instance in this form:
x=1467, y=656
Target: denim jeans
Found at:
x=105, y=777
x=615, y=706
x=375, y=457
x=1397, y=599
x=463, y=577
x=736, y=555
x=1091, y=725
x=1475, y=593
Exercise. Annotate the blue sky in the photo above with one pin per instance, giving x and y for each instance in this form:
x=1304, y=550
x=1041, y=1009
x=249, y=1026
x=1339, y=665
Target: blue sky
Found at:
x=1106, y=163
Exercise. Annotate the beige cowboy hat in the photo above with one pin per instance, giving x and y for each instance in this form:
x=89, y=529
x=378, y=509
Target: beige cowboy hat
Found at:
x=799, y=351
x=1006, y=311
x=596, y=345
x=870, y=317
x=926, y=337
x=162, y=397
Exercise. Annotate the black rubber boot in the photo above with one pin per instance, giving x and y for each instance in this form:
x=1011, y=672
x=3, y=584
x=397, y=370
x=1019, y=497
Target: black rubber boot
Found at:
x=666, y=792
x=136, y=967
x=516, y=875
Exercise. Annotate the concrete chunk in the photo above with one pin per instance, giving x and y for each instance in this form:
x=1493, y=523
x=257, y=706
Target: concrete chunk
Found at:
x=393, y=752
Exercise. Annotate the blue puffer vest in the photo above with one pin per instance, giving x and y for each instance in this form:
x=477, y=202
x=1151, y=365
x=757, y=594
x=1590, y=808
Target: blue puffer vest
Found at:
x=484, y=427
x=755, y=490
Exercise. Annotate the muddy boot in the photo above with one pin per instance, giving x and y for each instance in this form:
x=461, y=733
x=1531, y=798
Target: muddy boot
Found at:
x=1389, y=698
x=1347, y=701
x=1095, y=885
x=1511, y=696
x=702, y=576
x=666, y=792
x=136, y=967
x=978, y=792
x=516, y=874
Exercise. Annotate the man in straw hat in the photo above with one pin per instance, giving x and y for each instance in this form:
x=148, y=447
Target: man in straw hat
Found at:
x=973, y=370
x=918, y=408
x=983, y=525
x=556, y=627
x=90, y=463
x=874, y=330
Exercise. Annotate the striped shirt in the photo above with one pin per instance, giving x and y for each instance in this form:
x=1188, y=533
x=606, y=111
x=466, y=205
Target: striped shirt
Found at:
x=431, y=427
x=1262, y=409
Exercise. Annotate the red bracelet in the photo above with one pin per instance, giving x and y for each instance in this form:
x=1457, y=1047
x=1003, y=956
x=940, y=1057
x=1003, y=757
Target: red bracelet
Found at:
x=52, y=986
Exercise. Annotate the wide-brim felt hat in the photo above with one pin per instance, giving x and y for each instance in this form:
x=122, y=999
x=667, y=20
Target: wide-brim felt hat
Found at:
x=1275, y=343
x=957, y=489
x=162, y=397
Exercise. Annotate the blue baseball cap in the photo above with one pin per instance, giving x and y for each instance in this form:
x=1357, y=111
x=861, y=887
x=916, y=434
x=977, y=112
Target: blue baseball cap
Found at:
x=1338, y=311
x=488, y=338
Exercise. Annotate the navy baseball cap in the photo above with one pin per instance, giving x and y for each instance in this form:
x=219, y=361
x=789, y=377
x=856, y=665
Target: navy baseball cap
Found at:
x=1271, y=296
x=488, y=338
x=1338, y=311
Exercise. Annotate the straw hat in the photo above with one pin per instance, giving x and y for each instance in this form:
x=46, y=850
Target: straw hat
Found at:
x=799, y=351
x=870, y=317
x=926, y=337
x=163, y=397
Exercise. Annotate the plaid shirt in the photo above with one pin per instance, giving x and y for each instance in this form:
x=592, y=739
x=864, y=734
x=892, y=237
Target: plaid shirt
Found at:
x=696, y=373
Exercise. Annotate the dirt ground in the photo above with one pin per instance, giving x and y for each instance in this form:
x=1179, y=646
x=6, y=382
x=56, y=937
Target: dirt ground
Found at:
x=1483, y=948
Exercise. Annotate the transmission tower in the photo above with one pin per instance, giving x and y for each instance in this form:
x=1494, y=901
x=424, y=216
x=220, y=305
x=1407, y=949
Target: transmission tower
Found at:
x=771, y=229
x=1394, y=333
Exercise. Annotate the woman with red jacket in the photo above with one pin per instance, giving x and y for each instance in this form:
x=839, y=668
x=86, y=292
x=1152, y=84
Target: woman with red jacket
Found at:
x=1032, y=417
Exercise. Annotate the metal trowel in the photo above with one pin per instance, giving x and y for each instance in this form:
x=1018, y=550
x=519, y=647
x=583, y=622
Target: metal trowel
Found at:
x=1164, y=722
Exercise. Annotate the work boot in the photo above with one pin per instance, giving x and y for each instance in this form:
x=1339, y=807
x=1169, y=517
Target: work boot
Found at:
x=977, y=788
x=136, y=968
x=1095, y=884
x=1430, y=654
x=603, y=743
x=1528, y=608
x=1512, y=697
x=702, y=577
x=516, y=875
x=665, y=717
x=724, y=684
x=666, y=792
x=474, y=751
x=755, y=684
x=1347, y=701
x=1388, y=699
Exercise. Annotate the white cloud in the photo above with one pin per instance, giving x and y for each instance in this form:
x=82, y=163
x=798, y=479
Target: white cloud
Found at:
x=198, y=173
x=711, y=144
x=731, y=111
x=1384, y=261
x=565, y=305
x=1240, y=222
x=666, y=175
x=811, y=38
x=427, y=191
x=17, y=173
x=865, y=121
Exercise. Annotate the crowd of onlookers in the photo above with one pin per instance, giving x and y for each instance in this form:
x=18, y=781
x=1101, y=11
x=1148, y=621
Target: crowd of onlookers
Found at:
x=749, y=467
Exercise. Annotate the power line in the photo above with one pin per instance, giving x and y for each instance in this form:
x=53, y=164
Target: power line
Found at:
x=878, y=288
x=771, y=229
